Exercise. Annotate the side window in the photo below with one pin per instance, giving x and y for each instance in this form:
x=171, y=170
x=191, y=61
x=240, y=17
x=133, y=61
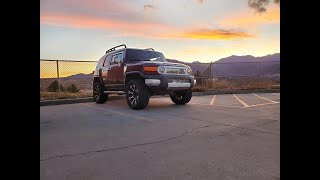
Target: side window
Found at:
x=107, y=60
x=116, y=58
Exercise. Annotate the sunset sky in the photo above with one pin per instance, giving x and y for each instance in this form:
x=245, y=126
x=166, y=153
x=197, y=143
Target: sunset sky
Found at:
x=187, y=30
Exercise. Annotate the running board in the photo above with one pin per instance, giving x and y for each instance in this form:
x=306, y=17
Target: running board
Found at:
x=114, y=92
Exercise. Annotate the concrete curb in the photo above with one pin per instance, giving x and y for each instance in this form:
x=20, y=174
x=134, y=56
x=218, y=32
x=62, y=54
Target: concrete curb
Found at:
x=209, y=92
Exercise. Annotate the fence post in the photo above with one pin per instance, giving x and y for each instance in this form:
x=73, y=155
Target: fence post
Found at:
x=58, y=76
x=202, y=80
x=259, y=74
x=211, y=76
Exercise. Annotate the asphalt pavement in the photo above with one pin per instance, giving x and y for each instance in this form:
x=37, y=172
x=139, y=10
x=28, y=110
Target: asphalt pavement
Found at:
x=232, y=136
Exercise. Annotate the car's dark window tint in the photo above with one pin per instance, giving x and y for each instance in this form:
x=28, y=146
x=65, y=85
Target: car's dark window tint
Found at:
x=117, y=56
x=143, y=55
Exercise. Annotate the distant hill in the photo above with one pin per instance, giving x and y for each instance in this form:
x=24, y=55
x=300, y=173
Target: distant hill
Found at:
x=230, y=66
x=248, y=66
x=249, y=58
x=80, y=76
x=240, y=66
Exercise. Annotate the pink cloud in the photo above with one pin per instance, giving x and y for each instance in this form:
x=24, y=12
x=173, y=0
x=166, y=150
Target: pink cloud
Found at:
x=83, y=21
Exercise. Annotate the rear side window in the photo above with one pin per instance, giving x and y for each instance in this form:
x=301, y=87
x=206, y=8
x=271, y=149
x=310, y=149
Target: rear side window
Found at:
x=116, y=58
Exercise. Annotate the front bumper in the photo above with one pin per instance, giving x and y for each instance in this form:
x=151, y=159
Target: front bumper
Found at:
x=161, y=84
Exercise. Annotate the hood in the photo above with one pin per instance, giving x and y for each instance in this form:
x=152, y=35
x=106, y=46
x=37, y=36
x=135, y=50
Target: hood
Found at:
x=158, y=63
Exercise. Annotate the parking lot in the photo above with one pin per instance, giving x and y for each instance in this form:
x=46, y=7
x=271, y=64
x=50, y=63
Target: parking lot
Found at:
x=231, y=136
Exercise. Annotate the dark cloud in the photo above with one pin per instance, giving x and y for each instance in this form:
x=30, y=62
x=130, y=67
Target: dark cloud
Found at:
x=260, y=5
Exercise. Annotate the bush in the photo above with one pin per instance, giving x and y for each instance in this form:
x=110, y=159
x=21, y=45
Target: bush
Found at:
x=73, y=89
x=53, y=87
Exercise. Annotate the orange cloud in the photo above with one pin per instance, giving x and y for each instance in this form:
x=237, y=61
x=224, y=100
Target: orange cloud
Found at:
x=248, y=18
x=213, y=34
x=140, y=28
x=121, y=26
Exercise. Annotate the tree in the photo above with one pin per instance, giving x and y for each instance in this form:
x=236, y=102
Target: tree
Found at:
x=73, y=89
x=54, y=87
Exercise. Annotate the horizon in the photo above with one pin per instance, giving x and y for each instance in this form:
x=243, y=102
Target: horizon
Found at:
x=85, y=69
x=166, y=58
x=194, y=30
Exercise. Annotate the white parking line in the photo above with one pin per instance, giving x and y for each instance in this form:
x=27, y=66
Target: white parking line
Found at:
x=276, y=94
x=212, y=100
x=243, y=103
x=265, y=98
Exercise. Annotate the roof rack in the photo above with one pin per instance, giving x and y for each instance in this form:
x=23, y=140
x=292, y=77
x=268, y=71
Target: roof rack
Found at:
x=114, y=48
x=151, y=49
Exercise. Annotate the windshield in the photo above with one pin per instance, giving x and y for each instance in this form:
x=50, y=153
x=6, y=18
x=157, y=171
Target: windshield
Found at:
x=143, y=55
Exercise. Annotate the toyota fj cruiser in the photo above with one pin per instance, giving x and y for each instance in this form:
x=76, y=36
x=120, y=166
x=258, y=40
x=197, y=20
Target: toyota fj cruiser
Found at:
x=141, y=73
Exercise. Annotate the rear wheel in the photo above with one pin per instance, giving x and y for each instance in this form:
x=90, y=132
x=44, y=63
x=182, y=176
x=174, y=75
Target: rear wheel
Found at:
x=98, y=93
x=181, y=97
x=137, y=94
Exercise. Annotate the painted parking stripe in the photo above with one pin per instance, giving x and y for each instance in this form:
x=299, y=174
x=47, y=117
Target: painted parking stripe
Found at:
x=212, y=100
x=265, y=98
x=262, y=104
x=243, y=103
x=120, y=113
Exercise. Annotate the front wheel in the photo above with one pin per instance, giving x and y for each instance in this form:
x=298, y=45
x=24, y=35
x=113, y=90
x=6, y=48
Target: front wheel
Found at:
x=137, y=94
x=181, y=97
x=98, y=93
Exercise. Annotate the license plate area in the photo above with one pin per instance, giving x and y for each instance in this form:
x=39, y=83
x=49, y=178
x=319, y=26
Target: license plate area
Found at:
x=178, y=80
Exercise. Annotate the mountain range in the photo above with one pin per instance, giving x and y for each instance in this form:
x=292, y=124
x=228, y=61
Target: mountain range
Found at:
x=248, y=65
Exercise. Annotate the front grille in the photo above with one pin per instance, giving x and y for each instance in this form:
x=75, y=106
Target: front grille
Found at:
x=178, y=80
x=175, y=70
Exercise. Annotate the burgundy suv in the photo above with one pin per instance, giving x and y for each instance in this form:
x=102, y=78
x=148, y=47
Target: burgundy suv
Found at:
x=141, y=73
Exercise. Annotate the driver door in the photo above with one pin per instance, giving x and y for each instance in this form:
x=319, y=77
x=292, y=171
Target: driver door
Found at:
x=114, y=78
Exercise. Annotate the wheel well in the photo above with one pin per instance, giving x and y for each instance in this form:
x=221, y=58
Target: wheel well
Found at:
x=132, y=76
x=96, y=79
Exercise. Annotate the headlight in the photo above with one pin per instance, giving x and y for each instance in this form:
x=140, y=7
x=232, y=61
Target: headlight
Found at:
x=161, y=69
x=189, y=71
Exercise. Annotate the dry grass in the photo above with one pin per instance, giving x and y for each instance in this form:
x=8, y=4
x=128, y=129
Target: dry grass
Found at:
x=237, y=84
x=63, y=95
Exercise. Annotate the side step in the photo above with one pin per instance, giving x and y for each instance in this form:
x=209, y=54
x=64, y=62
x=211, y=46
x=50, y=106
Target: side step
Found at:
x=114, y=92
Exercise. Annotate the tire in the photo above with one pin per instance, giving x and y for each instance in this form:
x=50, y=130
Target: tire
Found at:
x=137, y=94
x=181, y=97
x=98, y=93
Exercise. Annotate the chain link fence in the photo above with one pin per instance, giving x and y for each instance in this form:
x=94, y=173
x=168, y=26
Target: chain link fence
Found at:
x=237, y=75
x=60, y=79
x=70, y=76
